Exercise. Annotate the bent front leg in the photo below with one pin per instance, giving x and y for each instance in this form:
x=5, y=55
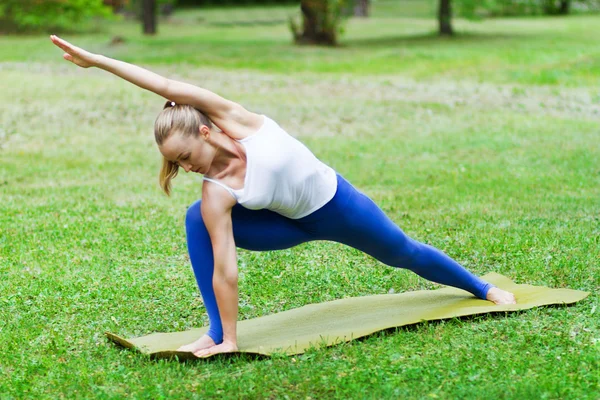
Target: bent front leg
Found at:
x=201, y=257
x=259, y=230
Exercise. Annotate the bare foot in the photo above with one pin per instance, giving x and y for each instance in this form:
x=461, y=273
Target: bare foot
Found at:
x=202, y=343
x=500, y=296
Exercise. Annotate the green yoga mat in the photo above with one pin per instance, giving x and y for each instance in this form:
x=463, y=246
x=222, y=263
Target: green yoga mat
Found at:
x=333, y=322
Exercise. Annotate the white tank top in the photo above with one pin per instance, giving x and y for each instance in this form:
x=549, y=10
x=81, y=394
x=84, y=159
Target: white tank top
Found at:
x=282, y=174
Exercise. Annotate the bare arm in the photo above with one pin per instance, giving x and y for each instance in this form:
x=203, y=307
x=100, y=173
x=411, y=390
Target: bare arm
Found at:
x=230, y=117
x=213, y=105
x=216, y=213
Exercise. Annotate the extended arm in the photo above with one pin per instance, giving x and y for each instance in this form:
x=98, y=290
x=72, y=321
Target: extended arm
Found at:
x=213, y=105
x=216, y=213
x=230, y=117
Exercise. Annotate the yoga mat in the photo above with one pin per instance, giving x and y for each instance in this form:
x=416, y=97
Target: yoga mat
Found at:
x=326, y=324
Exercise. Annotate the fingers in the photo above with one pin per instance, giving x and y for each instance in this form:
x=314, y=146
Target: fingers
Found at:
x=56, y=40
x=63, y=44
x=60, y=44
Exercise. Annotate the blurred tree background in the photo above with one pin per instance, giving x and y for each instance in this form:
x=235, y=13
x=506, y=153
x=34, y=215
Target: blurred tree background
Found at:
x=322, y=20
x=30, y=16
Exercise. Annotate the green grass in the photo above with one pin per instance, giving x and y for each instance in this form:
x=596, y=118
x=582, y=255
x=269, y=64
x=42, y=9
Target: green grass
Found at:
x=485, y=146
x=541, y=51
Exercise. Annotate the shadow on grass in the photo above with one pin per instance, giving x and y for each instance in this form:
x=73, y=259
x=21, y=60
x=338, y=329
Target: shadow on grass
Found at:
x=434, y=39
x=186, y=357
x=229, y=357
x=245, y=23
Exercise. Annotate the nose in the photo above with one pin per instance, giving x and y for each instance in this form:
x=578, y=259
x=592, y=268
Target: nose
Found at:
x=187, y=167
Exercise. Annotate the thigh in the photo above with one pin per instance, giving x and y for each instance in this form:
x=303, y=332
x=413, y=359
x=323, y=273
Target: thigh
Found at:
x=261, y=230
x=365, y=226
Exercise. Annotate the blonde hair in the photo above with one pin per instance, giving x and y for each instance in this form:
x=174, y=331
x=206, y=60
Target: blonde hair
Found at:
x=176, y=118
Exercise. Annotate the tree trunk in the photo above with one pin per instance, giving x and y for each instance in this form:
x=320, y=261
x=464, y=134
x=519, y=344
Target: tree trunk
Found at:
x=149, y=16
x=317, y=27
x=445, y=18
x=361, y=9
x=564, y=7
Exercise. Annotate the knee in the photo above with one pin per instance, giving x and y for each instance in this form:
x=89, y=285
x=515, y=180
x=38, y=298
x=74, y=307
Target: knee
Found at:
x=193, y=216
x=406, y=254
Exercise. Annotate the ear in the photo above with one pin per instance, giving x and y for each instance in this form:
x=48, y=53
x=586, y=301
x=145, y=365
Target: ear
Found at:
x=204, y=132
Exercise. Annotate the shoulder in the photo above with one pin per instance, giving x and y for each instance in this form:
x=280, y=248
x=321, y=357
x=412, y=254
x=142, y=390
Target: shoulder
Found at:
x=217, y=202
x=240, y=123
x=248, y=119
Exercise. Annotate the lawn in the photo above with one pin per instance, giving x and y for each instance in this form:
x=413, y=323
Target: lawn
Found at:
x=485, y=145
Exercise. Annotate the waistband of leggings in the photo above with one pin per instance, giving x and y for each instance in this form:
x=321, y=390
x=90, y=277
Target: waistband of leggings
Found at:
x=337, y=203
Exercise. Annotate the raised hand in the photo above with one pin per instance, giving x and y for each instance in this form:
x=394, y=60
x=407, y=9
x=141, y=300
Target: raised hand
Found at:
x=75, y=54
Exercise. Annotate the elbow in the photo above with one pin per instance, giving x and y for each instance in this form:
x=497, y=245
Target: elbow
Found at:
x=225, y=278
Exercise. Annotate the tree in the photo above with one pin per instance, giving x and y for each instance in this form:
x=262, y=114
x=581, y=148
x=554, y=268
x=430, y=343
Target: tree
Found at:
x=552, y=8
x=53, y=16
x=564, y=7
x=149, y=16
x=361, y=8
x=445, y=18
x=321, y=21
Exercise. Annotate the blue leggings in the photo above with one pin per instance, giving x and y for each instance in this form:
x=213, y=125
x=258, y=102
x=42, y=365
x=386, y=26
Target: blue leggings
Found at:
x=350, y=218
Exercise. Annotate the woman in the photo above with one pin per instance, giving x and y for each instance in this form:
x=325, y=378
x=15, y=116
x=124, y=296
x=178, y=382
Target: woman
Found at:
x=263, y=190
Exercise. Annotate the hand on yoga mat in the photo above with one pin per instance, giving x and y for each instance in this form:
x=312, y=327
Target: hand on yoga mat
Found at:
x=75, y=54
x=225, y=347
x=500, y=296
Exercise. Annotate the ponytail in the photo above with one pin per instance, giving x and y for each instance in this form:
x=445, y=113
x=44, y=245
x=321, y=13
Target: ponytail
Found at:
x=168, y=171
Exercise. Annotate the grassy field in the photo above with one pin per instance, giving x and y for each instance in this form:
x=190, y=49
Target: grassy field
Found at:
x=485, y=146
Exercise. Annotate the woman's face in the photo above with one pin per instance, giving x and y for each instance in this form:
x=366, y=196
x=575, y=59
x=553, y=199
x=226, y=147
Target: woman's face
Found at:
x=192, y=153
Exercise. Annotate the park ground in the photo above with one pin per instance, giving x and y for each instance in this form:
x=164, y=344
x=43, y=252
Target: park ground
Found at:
x=486, y=145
